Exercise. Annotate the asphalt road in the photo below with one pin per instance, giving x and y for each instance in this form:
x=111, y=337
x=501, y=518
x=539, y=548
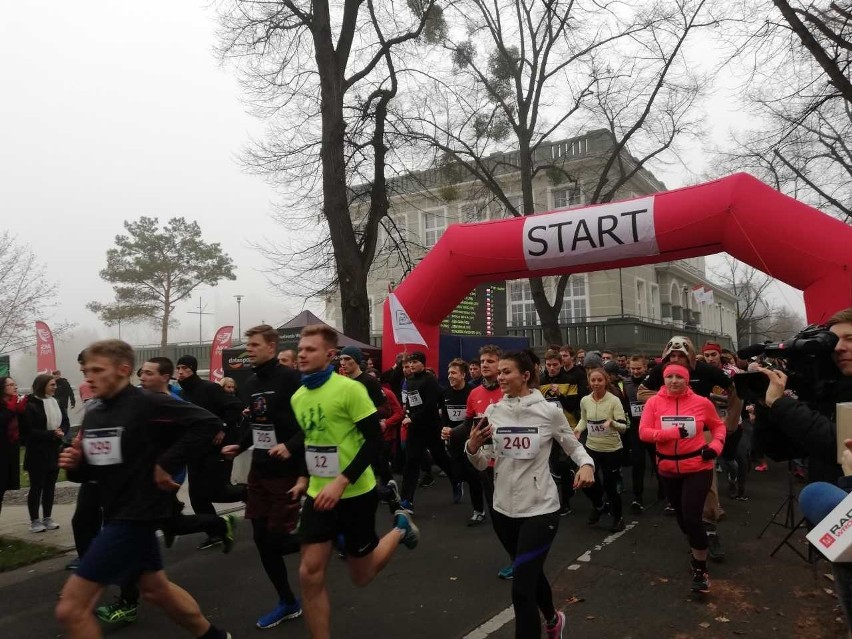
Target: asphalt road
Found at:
x=635, y=584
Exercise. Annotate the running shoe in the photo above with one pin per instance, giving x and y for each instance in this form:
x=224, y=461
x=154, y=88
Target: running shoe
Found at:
x=669, y=509
x=565, y=510
x=36, y=526
x=119, y=611
x=411, y=534
x=228, y=539
x=73, y=564
x=636, y=507
x=282, y=612
x=427, y=481
x=555, y=631
x=617, y=525
x=458, y=492
x=700, y=581
x=49, y=524
x=762, y=467
x=476, y=518
x=210, y=542
x=507, y=573
x=406, y=505
x=714, y=548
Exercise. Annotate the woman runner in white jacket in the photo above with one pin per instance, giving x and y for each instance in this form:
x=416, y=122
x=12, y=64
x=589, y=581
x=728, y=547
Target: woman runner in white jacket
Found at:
x=522, y=428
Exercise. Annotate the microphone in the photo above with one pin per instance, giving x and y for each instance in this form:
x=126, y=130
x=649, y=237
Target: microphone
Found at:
x=751, y=351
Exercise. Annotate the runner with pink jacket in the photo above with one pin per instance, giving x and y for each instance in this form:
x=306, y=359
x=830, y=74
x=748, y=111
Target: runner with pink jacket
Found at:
x=675, y=420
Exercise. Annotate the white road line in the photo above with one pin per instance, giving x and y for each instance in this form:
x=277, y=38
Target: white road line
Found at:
x=505, y=616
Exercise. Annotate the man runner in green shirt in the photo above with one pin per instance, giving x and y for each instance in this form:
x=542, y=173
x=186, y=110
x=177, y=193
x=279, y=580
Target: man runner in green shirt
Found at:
x=342, y=438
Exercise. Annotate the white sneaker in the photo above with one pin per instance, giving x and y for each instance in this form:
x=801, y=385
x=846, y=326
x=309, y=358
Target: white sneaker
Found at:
x=36, y=526
x=49, y=524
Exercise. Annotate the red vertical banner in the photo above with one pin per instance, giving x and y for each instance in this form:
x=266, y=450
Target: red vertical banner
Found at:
x=45, y=349
x=221, y=341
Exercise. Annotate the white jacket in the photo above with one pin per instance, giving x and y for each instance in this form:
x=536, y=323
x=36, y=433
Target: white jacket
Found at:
x=523, y=430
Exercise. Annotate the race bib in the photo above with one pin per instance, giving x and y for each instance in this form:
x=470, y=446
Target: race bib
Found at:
x=598, y=427
x=517, y=442
x=676, y=421
x=263, y=436
x=414, y=398
x=102, y=446
x=455, y=413
x=636, y=409
x=323, y=461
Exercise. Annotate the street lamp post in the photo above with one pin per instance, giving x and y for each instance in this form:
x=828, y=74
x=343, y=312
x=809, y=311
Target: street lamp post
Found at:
x=239, y=316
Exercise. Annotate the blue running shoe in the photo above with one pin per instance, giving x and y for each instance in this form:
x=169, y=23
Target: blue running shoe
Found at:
x=282, y=612
x=507, y=573
x=407, y=506
x=411, y=534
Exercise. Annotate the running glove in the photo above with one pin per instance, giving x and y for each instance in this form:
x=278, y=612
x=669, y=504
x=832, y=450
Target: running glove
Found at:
x=708, y=453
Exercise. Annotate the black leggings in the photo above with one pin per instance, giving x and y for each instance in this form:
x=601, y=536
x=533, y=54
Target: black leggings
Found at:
x=421, y=441
x=528, y=540
x=271, y=547
x=42, y=486
x=465, y=470
x=640, y=452
x=686, y=494
x=607, y=472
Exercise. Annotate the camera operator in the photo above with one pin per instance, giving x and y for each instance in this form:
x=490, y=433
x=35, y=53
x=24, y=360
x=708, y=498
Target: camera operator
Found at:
x=788, y=428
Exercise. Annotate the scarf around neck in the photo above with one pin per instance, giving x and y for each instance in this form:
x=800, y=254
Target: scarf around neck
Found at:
x=317, y=378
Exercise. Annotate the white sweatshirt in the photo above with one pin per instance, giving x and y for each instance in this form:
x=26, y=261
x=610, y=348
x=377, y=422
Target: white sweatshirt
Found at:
x=523, y=430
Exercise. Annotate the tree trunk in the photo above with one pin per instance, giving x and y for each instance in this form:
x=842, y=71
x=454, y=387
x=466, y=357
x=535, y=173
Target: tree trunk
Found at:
x=548, y=316
x=351, y=276
x=164, y=328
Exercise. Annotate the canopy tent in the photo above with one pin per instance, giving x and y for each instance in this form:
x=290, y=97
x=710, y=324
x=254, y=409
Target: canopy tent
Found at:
x=290, y=331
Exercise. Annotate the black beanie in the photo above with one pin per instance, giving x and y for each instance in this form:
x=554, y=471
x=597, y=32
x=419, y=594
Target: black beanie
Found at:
x=188, y=361
x=418, y=356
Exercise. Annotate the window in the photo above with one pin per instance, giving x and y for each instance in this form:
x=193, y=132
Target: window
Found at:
x=473, y=212
x=521, y=305
x=434, y=225
x=393, y=230
x=574, y=302
x=654, y=310
x=568, y=196
x=641, y=298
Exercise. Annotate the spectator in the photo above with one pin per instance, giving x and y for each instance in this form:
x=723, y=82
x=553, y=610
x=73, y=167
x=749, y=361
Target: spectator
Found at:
x=11, y=407
x=64, y=393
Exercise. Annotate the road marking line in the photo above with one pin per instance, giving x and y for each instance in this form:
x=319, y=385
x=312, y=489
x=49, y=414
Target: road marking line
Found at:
x=505, y=616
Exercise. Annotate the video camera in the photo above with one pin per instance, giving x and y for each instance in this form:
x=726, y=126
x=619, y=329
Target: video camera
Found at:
x=811, y=373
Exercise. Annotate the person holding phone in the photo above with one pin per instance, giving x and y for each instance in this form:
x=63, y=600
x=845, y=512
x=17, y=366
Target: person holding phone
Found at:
x=675, y=420
x=521, y=429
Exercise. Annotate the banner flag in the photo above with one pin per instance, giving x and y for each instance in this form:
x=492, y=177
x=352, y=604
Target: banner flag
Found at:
x=45, y=349
x=404, y=330
x=220, y=343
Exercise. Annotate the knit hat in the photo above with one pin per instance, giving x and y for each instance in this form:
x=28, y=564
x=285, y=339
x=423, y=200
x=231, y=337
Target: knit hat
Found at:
x=189, y=361
x=417, y=356
x=711, y=346
x=682, y=344
x=354, y=352
x=593, y=360
x=611, y=368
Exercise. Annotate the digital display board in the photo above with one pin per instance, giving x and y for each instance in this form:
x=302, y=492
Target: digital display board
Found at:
x=481, y=312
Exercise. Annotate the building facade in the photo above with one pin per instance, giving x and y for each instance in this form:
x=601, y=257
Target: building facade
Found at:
x=629, y=309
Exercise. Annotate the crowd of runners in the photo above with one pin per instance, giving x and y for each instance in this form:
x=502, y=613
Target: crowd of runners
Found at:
x=330, y=434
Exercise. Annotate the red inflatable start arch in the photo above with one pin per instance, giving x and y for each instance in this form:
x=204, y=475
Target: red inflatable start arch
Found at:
x=740, y=215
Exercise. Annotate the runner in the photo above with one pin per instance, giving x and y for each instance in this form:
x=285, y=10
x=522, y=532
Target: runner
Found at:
x=272, y=502
x=560, y=387
x=132, y=443
x=424, y=401
x=455, y=404
x=341, y=436
x=675, y=420
x=523, y=427
x=640, y=452
x=602, y=415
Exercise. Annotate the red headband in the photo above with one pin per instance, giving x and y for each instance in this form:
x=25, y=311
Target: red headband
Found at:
x=683, y=371
x=710, y=346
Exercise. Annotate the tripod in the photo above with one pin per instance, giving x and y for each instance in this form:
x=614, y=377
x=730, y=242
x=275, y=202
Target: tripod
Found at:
x=789, y=521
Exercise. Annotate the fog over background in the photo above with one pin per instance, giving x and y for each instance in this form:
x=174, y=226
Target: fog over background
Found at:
x=114, y=110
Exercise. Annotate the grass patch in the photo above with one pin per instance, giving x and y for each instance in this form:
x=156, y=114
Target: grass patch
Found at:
x=15, y=553
x=25, y=476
